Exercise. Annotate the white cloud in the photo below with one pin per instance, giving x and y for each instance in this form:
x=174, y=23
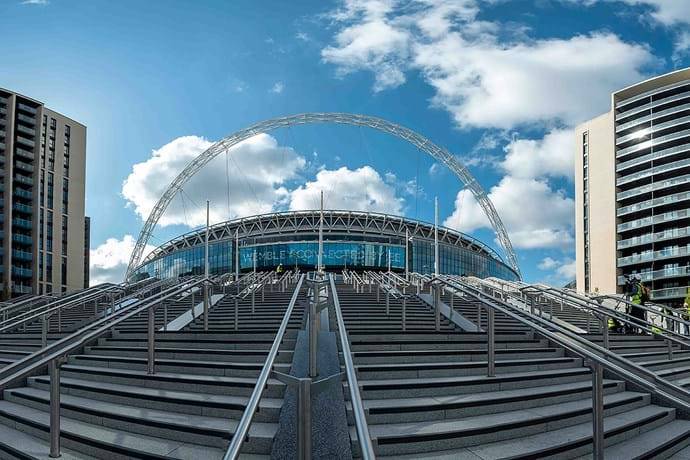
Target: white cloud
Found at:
x=534, y=215
x=481, y=80
x=563, y=271
x=257, y=170
x=553, y=156
x=666, y=12
x=302, y=36
x=109, y=260
x=369, y=42
x=35, y=2
x=548, y=264
x=362, y=189
x=278, y=87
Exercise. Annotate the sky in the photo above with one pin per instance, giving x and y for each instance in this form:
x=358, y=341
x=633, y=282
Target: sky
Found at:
x=501, y=84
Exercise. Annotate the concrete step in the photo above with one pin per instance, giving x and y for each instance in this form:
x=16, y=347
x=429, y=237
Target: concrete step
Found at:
x=240, y=369
x=448, y=369
x=98, y=441
x=188, y=353
x=407, y=438
x=186, y=402
x=240, y=386
x=17, y=444
x=451, y=406
x=404, y=388
x=428, y=356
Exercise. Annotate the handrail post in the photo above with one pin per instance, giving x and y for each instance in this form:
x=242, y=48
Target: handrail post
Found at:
x=597, y=411
x=253, y=300
x=490, y=344
x=59, y=321
x=151, y=342
x=605, y=331
x=437, y=308
x=388, y=294
x=44, y=331
x=669, y=345
x=378, y=293
x=54, y=372
x=165, y=316
x=237, y=314
x=404, y=310
x=205, y=286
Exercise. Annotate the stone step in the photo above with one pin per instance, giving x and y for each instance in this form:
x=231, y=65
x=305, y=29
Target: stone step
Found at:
x=407, y=438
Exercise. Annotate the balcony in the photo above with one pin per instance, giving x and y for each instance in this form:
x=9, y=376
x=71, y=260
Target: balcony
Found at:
x=27, y=108
x=652, y=171
x=678, y=251
x=675, y=198
x=25, y=119
x=654, y=129
x=22, y=272
x=669, y=293
x=23, y=129
x=21, y=193
x=25, y=141
x=22, y=208
x=23, y=239
x=21, y=223
x=24, y=153
x=23, y=256
x=653, y=187
x=652, y=117
x=23, y=179
x=21, y=289
x=654, y=142
x=665, y=217
x=24, y=166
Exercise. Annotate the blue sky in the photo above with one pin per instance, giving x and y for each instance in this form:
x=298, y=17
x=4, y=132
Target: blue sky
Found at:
x=501, y=84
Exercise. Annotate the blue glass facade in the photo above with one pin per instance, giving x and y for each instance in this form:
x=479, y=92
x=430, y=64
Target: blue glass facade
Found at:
x=337, y=255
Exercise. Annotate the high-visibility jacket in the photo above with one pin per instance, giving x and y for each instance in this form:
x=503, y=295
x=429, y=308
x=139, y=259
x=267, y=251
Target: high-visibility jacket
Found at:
x=612, y=323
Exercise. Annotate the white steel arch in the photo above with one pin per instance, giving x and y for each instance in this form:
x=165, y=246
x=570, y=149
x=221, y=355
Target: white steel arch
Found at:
x=419, y=141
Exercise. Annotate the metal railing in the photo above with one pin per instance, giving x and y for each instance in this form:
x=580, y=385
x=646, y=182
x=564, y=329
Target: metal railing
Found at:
x=363, y=436
x=597, y=357
x=238, y=438
x=56, y=354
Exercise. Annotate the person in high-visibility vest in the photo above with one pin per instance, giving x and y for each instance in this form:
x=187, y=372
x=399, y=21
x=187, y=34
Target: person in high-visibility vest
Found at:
x=686, y=310
x=639, y=297
x=279, y=269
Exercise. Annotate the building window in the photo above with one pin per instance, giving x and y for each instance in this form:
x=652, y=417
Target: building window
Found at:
x=50, y=190
x=64, y=235
x=49, y=232
x=65, y=195
x=63, y=271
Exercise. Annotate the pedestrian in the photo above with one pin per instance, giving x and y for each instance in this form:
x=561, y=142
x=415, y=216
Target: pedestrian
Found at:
x=639, y=298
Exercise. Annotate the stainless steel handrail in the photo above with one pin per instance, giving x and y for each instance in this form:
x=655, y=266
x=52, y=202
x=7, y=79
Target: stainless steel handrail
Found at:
x=578, y=344
x=66, y=345
x=601, y=309
x=243, y=426
x=363, y=436
x=48, y=309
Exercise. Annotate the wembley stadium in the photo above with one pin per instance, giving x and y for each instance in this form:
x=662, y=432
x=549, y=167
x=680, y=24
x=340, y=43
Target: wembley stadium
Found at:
x=351, y=240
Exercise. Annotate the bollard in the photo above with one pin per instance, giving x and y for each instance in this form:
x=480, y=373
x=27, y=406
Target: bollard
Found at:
x=151, y=342
x=54, y=370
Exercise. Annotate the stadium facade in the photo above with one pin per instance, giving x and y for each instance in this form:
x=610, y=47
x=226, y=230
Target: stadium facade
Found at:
x=352, y=240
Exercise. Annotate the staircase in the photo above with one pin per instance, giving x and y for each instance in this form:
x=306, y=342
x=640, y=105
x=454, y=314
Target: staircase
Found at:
x=427, y=395
x=112, y=408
